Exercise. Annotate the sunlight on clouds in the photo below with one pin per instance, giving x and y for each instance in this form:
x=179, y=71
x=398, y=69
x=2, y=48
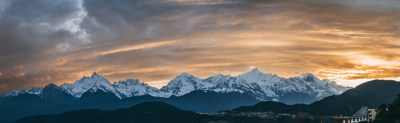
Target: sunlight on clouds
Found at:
x=352, y=82
x=140, y=46
x=264, y=43
x=360, y=73
x=343, y=41
x=356, y=82
x=368, y=60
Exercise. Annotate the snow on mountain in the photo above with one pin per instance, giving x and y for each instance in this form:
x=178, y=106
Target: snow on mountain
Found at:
x=31, y=90
x=132, y=87
x=258, y=77
x=183, y=84
x=263, y=86
x=323, y=87
x=92, y=84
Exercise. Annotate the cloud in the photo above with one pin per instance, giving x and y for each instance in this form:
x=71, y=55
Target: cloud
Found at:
x=138, y=47
x=61, y=41
x=3, y=86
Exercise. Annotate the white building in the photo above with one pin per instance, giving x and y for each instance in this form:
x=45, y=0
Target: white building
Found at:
x=364, y=114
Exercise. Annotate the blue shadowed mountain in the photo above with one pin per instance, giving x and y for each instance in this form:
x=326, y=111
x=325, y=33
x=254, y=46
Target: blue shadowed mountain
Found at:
x=219, y=92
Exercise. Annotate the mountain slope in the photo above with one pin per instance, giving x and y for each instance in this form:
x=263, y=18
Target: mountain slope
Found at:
x=150, y=112
x=32, y=104
x=184, y=84
x=55, y=94
x=370, y=94
x=198, y=101
x=31, y=90
x=132, y=87
x=92, y=84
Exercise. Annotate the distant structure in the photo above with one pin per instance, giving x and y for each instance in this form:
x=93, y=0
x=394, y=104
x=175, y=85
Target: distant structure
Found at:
x=364, y=114
x=372, y=114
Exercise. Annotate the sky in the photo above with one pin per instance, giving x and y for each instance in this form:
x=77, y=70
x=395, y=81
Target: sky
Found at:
x=60, y=41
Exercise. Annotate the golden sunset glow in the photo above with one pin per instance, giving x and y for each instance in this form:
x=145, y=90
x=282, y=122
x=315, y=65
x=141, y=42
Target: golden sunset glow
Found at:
x=154, y=42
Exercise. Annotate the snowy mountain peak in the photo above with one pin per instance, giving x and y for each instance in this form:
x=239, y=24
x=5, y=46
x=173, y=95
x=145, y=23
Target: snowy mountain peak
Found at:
x=184, y=74
x=310, y=77
x=94, y=75
x=128, y=82
x=184, y=78
x=183, y=84
x=256, y=76
x=94, y=83
x=31, y=90
x=132, y=87
x=263, y=86
x=256, y=71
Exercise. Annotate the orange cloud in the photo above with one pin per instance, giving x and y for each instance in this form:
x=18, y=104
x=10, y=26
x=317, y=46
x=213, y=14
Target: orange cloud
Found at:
x=345, y=41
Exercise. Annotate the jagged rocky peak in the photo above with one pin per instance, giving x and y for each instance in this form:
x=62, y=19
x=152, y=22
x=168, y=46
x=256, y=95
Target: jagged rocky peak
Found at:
x=94, y=75
x=183, y=84
x=256, y=76
x=255, y=70
x=132, y=87
x=184, y=74
x=218, y=78
x=184, y=78
x=54, y=92
x=310, y=77
x=51, y=85
x=31, y=90
x=94, y=78
x=94, y=83
x=128, y=82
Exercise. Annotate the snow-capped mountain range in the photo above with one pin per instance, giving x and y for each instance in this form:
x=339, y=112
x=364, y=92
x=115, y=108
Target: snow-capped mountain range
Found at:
x=262, y=86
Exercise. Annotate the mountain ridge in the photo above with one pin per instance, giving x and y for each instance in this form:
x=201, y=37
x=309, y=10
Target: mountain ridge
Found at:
x=199, y=101
x=263, y=86
x=144, y=112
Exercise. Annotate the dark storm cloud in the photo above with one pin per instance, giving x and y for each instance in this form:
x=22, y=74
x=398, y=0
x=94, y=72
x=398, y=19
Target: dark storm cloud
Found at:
x=29, y=29
x=61, y=41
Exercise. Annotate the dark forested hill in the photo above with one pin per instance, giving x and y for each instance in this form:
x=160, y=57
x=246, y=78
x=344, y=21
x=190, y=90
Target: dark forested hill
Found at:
x=197, y=101
x=149, y=112
x=370, y=94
